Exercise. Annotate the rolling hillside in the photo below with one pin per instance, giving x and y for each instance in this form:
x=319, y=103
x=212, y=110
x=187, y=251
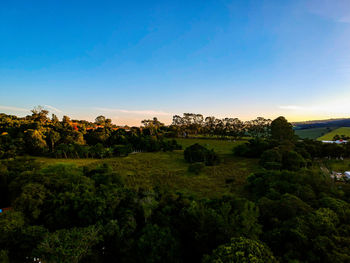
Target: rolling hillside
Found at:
x=313, y=133
x=343, y=122
x=340, y=131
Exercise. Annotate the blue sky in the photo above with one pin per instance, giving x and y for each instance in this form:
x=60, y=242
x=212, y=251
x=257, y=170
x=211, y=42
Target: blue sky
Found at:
x=131, y=60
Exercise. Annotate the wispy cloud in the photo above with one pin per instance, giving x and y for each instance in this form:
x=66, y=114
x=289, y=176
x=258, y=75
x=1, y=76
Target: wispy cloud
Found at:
x=138, y=112
x=10, y=108
x=334, y=108
x=291, y=107
x=53, y=108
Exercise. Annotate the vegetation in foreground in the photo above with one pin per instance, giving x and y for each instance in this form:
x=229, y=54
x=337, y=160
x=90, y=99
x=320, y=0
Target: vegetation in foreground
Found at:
x=266, y=201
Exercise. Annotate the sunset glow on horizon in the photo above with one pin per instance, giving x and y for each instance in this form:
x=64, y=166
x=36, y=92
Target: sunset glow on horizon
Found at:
x=131, y=61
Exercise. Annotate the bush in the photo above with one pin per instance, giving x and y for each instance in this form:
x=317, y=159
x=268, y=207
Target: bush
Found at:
x=121, y=150
x=198, y=153
x=196, y=167
x=293, y=161
x=171, y=145
x=271, y=159
x=252, y=149
x=212, y=158
x=241, y=250
x=195, y=153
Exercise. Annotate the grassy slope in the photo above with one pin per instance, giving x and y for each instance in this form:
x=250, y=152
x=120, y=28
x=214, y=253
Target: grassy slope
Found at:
x=168, y=169
x=312, y=133
x=340, y=131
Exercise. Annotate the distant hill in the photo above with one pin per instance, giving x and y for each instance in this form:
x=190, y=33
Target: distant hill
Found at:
x=340, y=131
x=334, y=123
x=313, y=133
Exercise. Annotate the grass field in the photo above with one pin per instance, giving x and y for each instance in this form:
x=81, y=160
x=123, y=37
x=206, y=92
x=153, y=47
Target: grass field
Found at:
x=313, y=133
x=169, y=170
x=340, y=131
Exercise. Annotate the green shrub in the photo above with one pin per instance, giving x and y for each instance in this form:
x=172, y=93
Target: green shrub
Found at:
x=271, y=159
x=121, y=150
x=241, y=250
x=293, y=161
x=198, y=153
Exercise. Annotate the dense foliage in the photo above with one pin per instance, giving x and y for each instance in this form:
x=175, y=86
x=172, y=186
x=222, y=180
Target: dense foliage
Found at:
x=198, y=153
x=63, y=213
x=39, y=135
x=288, y=210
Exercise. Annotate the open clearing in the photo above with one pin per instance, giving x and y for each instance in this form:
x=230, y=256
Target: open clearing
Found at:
x=340, y=131
x=169, y=169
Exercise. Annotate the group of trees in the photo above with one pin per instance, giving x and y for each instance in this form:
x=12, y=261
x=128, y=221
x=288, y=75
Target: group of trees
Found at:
x=304, y=214
x=340, y=137
x=194, y=124
x=283, y=150
x=63, y=213
x=287, y=211
x=38, y=134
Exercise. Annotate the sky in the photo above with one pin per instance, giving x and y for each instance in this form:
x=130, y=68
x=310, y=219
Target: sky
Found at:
x=134, y=60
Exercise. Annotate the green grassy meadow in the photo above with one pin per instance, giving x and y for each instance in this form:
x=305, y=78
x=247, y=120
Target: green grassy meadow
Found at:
x=313, y=133
x=169, y=169
x=340, y=131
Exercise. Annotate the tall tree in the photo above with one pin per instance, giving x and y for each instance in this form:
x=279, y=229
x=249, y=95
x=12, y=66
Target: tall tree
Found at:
x=282, y=130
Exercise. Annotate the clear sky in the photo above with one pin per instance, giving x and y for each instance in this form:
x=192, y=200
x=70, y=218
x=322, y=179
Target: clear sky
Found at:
x=130, y=60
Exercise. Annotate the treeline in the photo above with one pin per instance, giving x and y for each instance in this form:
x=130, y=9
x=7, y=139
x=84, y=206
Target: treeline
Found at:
x=289, y=210
x=38, y=134
x=194, y=124
x=283, y=150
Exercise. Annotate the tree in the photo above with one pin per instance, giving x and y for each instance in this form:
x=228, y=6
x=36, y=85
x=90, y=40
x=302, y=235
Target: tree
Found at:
x=54, y=119
x=153, y=125
x=10, y=223
x=30, y=200
x=35, y=141
x=241, y=250
x=198, y=153
x=156, y=244
x=259, y=127
x=68, y=245
x=282, y=130
x=100, y=120
x=293, y=161
x=65, y=120
x=271, y=159
x=52, y=137
x=39, y=114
